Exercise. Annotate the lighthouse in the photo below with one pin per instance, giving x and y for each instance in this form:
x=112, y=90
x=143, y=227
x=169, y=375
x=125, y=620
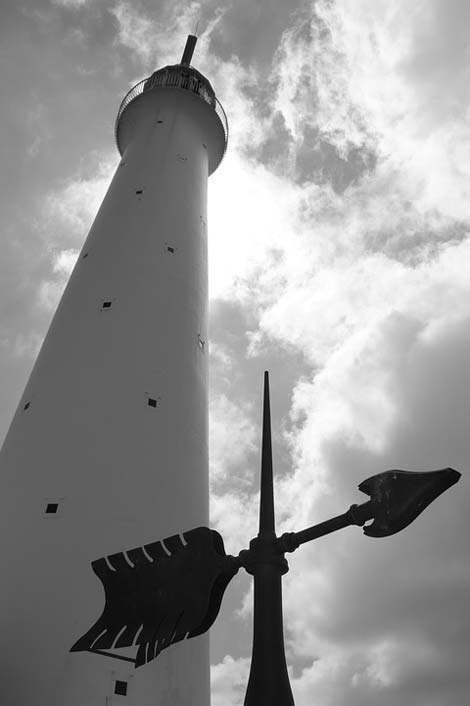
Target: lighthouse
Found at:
x=108, y=448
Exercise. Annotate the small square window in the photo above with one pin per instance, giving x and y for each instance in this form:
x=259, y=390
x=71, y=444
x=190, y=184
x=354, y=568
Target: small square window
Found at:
x=152, y=402
x=84, y=255
x=120, y=687
x=26, y=406
x=159, y=122
x=170, y=249
x=52, y=508
x=106, y=305
x=139, y=191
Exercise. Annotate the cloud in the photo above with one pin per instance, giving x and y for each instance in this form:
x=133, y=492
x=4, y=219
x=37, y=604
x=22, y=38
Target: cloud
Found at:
x=372, y=608
x=65, y=261
x=229, y=450
x=154, y=36
x=74, y=205
x=135, y=30
x=369, y=282
x=68, y=212
x=235, y=515
x=378, y=673
x=242, y=247
x=228, y=682
x=50, y=291
x=71, y=3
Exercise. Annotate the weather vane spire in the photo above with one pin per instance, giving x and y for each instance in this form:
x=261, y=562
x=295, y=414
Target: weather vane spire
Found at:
x=170, y=590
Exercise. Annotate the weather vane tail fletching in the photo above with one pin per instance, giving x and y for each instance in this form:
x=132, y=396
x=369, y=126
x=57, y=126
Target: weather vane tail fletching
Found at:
x=154, y=599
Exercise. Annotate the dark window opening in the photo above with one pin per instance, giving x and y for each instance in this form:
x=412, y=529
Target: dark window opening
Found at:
x=152, y=402
x=159, y=121
x=120, y=687
x=106, y=305
x=52, y=508
x=26, y=406
x=139, y=191
x=85, y=255
x=201, y=342
x=170, y=249
x=204, y=145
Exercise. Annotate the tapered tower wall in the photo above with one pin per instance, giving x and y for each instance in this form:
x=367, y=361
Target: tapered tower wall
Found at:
x=112, y=426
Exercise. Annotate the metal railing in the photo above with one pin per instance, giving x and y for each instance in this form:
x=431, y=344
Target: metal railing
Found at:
x=179, y=77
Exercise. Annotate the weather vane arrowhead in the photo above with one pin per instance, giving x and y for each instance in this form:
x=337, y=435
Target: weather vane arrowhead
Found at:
x=400, y=496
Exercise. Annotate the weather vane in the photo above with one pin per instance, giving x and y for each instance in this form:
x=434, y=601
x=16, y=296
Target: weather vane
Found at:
x=172, y=589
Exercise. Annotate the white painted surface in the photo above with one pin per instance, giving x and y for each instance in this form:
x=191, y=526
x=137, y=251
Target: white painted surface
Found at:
x=123, y=473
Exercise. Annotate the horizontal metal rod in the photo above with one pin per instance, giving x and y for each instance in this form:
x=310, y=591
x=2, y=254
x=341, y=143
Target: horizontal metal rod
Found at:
x=110, y=654
x=356, y=515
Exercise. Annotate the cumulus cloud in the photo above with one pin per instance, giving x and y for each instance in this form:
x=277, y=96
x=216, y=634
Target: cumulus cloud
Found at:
x=228, y=680
x=229, y=450
x=69, y=211
x=71, y=3
x=65, y=261
x=73, y=205
x=51, y=290
x=156, y=36
x=370, y=283
x=374, y=674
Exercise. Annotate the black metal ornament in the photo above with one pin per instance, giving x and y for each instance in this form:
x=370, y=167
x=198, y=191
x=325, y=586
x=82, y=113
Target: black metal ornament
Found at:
x=172, y=589
x=400, y=496
x=159, y=594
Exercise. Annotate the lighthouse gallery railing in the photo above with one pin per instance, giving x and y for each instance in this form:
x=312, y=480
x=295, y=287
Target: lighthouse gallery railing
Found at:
x=173, y=78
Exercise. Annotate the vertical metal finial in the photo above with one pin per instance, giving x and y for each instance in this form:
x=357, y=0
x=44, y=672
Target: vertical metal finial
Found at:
x=268, y=682
x=188, y=50
x=266, y=511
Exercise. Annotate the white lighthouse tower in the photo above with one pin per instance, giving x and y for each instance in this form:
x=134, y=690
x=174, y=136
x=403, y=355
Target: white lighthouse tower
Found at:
x=109, y=446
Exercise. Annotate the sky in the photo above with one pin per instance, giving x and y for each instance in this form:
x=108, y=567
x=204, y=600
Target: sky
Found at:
x=339, y=251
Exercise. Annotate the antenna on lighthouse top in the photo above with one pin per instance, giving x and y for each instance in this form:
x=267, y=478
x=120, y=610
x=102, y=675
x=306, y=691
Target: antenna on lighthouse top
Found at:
x=188, y=50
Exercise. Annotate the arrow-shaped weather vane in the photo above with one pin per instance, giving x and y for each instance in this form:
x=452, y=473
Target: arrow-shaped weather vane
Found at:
x=171, y=589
